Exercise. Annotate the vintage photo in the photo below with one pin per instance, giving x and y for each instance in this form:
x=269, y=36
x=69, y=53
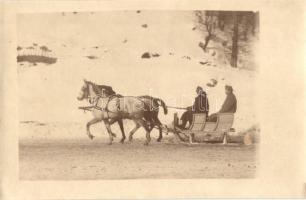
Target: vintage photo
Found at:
x=138, y=94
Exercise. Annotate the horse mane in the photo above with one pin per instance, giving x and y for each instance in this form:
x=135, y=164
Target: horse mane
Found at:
x=98, y=89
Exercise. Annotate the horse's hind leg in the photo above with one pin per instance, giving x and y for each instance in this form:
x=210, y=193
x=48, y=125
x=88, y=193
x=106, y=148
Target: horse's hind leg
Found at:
x=159, y=125
x=145, y=126
x=120, y=122
x=137, y=126
x=160, y=137
x=111, y=122
x=93, y=121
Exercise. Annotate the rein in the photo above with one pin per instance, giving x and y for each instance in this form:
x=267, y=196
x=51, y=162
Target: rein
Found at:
x=179, y=108
x=94, y=99
x=105, y=109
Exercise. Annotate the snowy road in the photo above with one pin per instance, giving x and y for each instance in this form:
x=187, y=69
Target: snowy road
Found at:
x=85, y=159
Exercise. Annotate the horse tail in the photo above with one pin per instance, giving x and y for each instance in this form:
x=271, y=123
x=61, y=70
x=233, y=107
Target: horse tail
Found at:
x=162, y=103
x=155, y=101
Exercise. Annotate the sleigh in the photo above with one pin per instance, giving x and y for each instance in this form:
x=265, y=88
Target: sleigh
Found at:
x=202, y=131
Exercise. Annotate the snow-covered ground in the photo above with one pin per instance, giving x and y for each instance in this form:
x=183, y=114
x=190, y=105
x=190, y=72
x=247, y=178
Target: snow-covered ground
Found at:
x=47, y=93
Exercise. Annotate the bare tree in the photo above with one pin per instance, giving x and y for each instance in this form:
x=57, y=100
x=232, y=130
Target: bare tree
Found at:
x=43, y=49
x=207, y=22
x=247, y=22
x=31, y=50
x=221, y=20
x=224, y=18
x=248, y=18
x=19, y=49
x=234, y=57
x=255, y=24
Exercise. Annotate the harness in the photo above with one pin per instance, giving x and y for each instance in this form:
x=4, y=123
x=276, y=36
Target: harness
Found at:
x=105, y=109
x=94, y=100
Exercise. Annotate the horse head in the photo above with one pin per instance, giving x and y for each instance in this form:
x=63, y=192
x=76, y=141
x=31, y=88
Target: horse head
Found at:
x=84, y=93
x=91, y=91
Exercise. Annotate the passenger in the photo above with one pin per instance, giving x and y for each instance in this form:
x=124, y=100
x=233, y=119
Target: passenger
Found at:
x=229, y=105
x=200, y=105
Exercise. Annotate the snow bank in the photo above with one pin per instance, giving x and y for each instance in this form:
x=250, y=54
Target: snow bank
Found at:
x=48, y=92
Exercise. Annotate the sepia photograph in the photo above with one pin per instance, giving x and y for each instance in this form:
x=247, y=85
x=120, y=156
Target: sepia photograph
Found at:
x=138, y=94
x=162, y=99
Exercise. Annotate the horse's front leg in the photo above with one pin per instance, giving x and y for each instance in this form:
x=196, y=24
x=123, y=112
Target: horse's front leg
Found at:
x=93, y=121
x=111, y=134
x=120, y=122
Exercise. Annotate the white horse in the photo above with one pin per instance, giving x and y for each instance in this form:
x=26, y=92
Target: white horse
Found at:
x=111, y=108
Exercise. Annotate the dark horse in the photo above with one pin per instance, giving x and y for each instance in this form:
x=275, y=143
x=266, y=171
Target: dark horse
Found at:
x=104, y=95
x=151, y=116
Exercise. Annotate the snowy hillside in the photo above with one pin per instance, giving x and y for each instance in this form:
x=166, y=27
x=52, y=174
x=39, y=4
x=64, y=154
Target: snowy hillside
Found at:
x=115, y=42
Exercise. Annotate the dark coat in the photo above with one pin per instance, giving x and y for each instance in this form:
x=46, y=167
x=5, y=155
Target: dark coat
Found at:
x=229, y=105
x=201, y=104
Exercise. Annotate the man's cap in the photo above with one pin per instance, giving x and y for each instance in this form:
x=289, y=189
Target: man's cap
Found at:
x=200, y=88
x=228, y=87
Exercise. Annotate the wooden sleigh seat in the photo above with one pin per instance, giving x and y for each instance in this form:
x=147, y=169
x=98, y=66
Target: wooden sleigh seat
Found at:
x=206, y=131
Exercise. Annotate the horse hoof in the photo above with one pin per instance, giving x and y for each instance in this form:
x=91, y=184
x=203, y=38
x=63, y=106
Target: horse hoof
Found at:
x=159, y=139
x=122, y=141
x=146, y=143
x=91, y=137
x=114, y=135
x=110, y=143
x=130, y=139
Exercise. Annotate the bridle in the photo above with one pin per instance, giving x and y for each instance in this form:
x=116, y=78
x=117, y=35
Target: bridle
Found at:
x=87, y=95
x=94, y=99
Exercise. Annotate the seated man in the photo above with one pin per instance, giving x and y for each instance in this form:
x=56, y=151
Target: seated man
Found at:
x=200, y=105
x=229, y=105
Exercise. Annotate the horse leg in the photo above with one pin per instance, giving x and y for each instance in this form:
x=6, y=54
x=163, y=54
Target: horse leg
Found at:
x=145, y=126
x=111, y=122
x=137, y=126
x=159, y=124
x=150, y=124
x=111, y=134
x=120, y=122
x=93, y=121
